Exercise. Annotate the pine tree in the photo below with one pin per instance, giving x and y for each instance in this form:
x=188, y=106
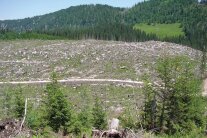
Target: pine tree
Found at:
x=99, y=116
x=7, y=103
x=149, y=118
x=180, y=107
x=82, y=122
x=179, y=93
x=19, y=103
x=57, y=108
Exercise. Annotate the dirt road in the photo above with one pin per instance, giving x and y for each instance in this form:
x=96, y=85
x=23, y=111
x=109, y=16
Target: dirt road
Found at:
x=205, y=88
x=82, y=81
x=94, y=82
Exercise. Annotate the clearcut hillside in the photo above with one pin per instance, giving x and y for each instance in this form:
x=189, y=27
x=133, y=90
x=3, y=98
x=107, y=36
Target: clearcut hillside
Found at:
x=26, y=60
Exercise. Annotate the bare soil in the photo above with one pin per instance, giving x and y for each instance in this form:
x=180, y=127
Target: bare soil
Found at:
x=33, y=60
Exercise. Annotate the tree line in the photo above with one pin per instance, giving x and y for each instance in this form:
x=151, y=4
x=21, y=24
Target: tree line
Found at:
x=116, y=32
x=189, y=13
x=96, y=21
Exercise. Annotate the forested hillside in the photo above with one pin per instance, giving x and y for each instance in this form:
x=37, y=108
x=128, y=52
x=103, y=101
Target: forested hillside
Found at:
x=105, y=22
x=83, y=15
x=191, y=14
x=159, y=11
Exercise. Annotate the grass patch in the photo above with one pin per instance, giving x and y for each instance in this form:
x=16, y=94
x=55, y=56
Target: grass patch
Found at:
x=161, y=30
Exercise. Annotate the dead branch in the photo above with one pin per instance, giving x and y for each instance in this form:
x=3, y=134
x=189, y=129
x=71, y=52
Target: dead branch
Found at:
x=25, y=113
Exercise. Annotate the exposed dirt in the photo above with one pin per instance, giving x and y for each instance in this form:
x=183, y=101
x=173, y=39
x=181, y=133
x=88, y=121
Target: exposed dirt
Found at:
x=9, y=128
x=86, y=61
x=27, y=60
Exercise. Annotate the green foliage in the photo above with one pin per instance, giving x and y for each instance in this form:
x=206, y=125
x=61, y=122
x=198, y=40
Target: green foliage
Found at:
x=110, y=23
x=161, y=30
x=158, y=11
x=85, y=118
x=149, y=112
x=99, y=116
x=83, y=15
x=35, y=119
x=179, y=106
x=82, y=122
x=10, y=35
x=128, y=120
x=19, y=103
x=57, y=107
x=189, y=13
x=76, y=127
x=107, y=31
x=195, y=26
x=7, y=104
x=181, y=92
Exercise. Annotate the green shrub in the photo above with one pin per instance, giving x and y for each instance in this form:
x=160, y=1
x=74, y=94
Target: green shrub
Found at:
x=99, y=116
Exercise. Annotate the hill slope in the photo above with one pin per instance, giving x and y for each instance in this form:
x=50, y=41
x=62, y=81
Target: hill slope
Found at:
x=83, y=15
x=25, y=60
x=159, y=11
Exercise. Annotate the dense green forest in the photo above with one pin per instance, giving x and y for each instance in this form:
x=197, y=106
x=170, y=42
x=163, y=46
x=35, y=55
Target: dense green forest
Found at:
x=11, y=35
x=110, y=23
x=191, y=14
x=109, y=31
x=83, y=15
x=112, y=31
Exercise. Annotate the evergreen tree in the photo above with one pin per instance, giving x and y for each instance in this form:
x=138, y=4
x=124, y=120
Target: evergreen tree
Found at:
x=179, y=96
x=19, y=103
x=99, y=116
x=82, y=122
x=149, y=118
x=57, y=108
x=177, y=99
x=7, y=103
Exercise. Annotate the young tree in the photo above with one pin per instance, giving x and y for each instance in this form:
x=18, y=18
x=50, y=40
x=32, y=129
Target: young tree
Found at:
x=19, y=103
x=99, y=115
x=178, y=97
x=7, y=103
x=149, y=117
x=57, y=108
x=82, y=122
x=182, y=93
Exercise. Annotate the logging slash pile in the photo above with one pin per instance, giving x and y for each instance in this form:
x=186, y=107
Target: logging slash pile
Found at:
x=12, y=128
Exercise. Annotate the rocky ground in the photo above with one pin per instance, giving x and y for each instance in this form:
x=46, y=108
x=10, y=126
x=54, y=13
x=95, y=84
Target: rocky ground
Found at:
x=32, y=61
x=27, y=60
